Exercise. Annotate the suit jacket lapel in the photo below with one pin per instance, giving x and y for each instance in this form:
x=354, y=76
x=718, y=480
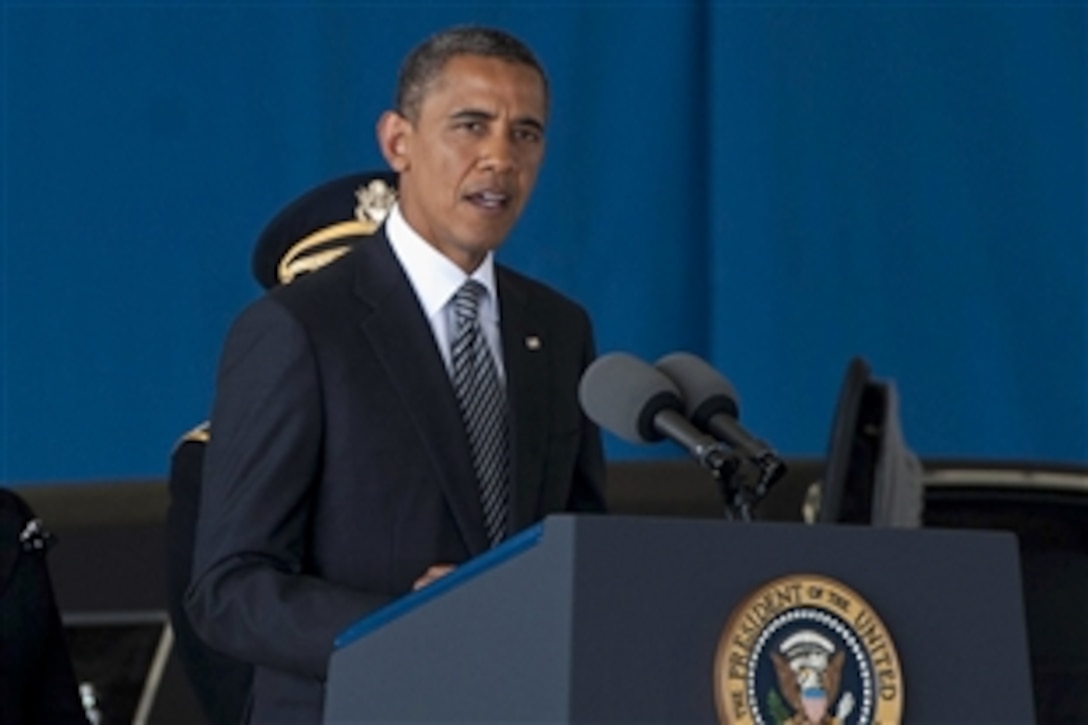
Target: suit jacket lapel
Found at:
x=525, y=356
x=401, y=336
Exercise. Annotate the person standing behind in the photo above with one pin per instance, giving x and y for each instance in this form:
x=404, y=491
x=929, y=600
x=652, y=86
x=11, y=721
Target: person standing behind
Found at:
x=37, y=679
x=405, y=408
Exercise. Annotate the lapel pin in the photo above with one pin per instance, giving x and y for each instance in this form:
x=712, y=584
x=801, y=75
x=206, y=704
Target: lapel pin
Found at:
x=532, y=342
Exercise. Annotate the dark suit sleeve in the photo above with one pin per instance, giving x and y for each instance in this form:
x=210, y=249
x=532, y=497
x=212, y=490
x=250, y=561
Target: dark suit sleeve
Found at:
x=254, y=595
x=587, y=487
x=221, y=683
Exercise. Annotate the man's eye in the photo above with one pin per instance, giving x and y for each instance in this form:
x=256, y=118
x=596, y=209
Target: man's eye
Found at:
x=529, y=135
x=471, y=126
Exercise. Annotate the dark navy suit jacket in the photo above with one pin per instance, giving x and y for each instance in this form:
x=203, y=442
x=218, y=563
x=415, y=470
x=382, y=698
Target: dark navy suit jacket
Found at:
x=339, y=469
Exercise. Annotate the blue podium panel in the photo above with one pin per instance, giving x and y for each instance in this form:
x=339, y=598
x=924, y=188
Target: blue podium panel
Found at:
x=598, y=618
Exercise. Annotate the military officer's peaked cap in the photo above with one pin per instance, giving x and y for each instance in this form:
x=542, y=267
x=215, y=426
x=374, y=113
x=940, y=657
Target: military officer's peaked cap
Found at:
x=321, y=225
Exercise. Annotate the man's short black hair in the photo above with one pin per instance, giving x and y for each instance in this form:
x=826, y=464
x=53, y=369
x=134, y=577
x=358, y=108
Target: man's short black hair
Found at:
x=427, y=60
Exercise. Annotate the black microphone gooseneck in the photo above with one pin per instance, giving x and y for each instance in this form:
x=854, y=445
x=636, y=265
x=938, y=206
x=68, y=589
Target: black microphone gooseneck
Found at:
x=631, y=399
x=711, y=404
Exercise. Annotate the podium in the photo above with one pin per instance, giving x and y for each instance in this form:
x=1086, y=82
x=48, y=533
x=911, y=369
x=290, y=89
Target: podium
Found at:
x=623, y=619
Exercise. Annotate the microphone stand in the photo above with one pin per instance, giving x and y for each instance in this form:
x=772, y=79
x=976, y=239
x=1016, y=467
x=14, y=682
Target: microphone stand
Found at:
x=739, y=493
x=724, y=466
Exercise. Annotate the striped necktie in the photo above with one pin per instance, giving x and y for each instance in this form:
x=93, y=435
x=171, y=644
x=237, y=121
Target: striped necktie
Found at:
x=483, y=407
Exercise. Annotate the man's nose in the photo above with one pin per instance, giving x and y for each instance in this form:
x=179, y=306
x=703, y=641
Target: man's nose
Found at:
x=498, y=153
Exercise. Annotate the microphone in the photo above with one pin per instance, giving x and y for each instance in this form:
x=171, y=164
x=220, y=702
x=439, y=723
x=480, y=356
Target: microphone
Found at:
x=630, y=398
x=711, y=404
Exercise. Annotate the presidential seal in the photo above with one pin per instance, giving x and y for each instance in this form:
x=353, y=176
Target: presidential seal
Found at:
x=807, y=650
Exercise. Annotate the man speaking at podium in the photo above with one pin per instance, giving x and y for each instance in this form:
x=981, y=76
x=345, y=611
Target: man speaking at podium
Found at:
x=383, y=419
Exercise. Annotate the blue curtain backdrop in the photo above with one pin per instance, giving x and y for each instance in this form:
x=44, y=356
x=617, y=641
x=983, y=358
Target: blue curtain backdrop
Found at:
x=776, y=186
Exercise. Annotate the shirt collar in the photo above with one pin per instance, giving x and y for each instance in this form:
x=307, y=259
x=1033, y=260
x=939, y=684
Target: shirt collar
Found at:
x=434, y=276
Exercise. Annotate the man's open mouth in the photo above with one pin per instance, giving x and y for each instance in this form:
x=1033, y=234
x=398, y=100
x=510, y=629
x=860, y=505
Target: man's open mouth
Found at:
x=490, y=200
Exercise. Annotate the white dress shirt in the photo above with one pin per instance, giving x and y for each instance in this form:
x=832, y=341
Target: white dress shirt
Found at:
x=435, y=279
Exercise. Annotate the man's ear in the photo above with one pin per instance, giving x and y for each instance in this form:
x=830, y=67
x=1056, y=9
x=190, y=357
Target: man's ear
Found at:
x=394, y=135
